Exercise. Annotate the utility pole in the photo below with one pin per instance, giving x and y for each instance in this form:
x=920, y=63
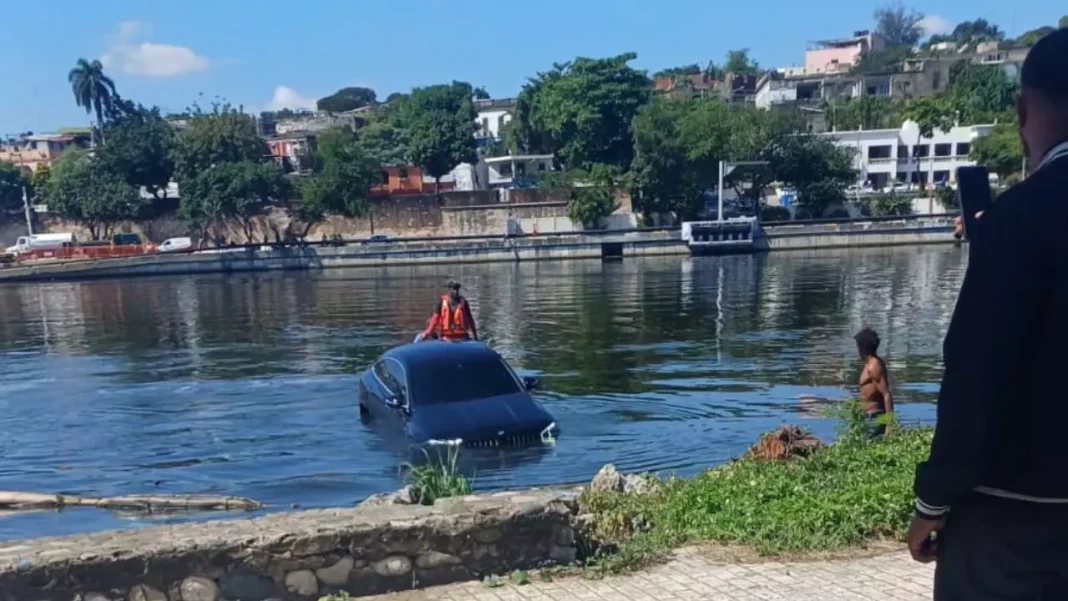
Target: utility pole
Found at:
x=26, y=208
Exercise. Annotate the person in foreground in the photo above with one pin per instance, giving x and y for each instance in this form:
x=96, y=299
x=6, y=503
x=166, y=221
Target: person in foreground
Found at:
x=993, y=492
x=452, y=319
x=874, y=382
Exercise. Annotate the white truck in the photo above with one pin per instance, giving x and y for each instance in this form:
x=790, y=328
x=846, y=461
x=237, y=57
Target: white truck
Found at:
x=26, y=244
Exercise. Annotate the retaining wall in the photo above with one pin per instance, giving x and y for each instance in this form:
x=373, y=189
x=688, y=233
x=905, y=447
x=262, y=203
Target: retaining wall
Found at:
x=298, y=556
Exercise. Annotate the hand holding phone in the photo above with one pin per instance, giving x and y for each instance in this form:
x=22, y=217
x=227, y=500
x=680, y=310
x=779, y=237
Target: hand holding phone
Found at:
x=973, y=191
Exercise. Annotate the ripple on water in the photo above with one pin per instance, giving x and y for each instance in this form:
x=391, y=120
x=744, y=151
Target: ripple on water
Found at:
x=246, y=385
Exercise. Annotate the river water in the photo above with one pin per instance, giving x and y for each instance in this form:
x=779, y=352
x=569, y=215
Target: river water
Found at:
x=245, y=384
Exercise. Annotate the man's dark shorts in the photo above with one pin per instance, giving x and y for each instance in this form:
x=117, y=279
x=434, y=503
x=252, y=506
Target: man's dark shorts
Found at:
x=872, y=427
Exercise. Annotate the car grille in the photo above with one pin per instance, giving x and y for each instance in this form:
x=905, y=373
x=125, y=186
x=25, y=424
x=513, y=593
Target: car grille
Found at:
x=511, y=440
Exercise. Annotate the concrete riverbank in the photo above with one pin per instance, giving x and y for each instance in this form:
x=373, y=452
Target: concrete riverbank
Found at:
x=299, y=556
x=604, y=245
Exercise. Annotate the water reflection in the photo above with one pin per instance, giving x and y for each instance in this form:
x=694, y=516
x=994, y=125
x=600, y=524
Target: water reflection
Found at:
x=245, y=384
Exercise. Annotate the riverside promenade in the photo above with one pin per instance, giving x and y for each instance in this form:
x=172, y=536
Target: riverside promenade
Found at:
x=694, y=576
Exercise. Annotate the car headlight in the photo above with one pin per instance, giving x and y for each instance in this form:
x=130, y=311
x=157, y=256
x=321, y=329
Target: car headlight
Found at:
x=547, y=435
x=454, y=442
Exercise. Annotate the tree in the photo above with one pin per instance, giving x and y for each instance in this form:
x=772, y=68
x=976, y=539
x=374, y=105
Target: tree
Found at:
x=222, y=135
x=883, y=61
x=1030, y=38
x=683, y=71
x=1000, y=151
x=12, y=182
x=139, y=146
x=347, y=99
x=979, y=30
x=661, y=173
x=582, y=111
x=1063, y=22
x=342, y=181
x=83, y=189
x=898, y=25
x=93, y=90
x=381, y=140
x=930, y=113
x=865, y=112
x=591, y=193
x=439, y=124
x=817, y=168
x=40, y=180
x=738, y=61
x=980, y=93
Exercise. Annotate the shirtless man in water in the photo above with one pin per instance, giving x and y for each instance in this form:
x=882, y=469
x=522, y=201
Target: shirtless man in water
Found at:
x=874, y=381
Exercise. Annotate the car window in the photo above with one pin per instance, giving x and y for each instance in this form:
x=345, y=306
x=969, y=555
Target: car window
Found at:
x=444, y=380
x=391, y=373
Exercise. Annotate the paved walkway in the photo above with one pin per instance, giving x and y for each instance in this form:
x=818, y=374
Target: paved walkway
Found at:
x=891, y=577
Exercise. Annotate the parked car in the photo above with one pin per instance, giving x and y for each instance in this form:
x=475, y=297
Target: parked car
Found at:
x=378, y=238
x=455, y=393
x=173, y=245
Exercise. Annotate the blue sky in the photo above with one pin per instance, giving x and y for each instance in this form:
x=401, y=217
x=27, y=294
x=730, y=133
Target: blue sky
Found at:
x=270, y=53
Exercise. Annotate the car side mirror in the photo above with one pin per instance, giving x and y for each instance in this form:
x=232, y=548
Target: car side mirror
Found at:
x=530, y=382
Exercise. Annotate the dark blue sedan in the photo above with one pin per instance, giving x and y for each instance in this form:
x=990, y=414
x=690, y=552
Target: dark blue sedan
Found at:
x=454, y=393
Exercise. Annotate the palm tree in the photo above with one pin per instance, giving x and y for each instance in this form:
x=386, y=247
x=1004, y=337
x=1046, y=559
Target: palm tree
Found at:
x=92, y=89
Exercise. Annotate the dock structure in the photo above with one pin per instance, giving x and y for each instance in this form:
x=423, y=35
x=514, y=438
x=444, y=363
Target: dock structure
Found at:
x=728, y=236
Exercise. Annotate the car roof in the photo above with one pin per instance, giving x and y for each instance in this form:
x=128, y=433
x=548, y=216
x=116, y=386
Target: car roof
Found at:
x=411, y=354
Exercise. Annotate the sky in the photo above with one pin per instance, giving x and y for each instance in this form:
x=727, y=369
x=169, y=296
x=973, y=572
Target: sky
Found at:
x=268, y=54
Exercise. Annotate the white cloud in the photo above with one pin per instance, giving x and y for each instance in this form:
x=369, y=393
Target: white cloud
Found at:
x=286, y=97
x=933, y=24
x=130, y=54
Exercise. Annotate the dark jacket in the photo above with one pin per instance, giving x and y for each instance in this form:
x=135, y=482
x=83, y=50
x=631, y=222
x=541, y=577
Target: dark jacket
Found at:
x=1003, y=407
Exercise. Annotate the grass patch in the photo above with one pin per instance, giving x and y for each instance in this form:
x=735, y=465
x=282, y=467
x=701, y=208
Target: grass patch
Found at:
x=848, y=493
x=438, y=478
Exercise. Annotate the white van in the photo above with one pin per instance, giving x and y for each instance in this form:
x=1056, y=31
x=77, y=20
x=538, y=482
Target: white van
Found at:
x=25, y=244
x=173, y=245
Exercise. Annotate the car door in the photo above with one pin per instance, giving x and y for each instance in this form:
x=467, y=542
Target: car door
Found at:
x=392, y=394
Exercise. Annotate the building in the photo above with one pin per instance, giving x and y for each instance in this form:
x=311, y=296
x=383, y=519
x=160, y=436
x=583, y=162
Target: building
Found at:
x=833, y=56
x=290, y=150
x=408, y=179
x=31, y=151
x=731, y=86
x=493, y=116
x=315, y=121
x=885, y=156
x=516, y=171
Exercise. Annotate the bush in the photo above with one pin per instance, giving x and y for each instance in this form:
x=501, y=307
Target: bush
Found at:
x=845, y=494
x=438, y=479
x=775, y=214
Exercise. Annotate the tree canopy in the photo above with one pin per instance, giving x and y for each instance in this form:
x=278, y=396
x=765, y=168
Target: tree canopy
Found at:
x=1000, y=151
x=898, y=25
x=438, y=125
x=347, y=99
x=12, y=181
x=342, y=179
x=84, y=189
x=222, y=135
x=581, y=111
x=92, y=90
x=139, y=146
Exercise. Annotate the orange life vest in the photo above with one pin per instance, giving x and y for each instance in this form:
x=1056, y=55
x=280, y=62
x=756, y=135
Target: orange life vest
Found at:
x=452, y=321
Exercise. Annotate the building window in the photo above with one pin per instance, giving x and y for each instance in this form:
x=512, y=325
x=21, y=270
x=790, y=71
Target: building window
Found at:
x=385, y=176
x=943, y=150
x=941, y=176
x=402, y=173
x=879, y=152
x=964, y=149
x=520, y=169
x=902, y=152
x=921, y=151
x=936, y=80
x=902, y=176
x=541, y=166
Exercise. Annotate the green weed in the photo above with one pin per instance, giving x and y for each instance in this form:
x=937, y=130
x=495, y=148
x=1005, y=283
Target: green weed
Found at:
x=439, y=478
x=848, y=493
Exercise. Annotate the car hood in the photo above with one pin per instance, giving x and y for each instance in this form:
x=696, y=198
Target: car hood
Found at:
x=482, y=419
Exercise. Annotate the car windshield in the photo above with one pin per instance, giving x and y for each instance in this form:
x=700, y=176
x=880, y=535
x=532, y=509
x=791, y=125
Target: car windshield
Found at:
x=454, y=380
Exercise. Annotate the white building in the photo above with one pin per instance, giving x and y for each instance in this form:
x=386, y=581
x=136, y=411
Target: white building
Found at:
x=883, y=156
x=493, y=115
x=503, y=172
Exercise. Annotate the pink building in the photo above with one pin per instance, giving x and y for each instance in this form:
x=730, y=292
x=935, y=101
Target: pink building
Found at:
x=831, y=56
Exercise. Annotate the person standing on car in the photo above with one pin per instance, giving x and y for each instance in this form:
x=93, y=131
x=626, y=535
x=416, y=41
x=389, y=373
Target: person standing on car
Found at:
x=452, y=319
x=992, y=499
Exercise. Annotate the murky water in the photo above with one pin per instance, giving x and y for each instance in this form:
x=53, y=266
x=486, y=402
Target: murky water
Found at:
x=245, y=385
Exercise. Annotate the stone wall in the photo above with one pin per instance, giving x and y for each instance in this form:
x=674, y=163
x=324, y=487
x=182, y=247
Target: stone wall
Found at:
x=399, y=216
x=298, y=556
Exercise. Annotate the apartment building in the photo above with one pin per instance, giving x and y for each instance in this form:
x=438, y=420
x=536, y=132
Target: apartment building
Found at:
x=884, y=156
x=32, y=151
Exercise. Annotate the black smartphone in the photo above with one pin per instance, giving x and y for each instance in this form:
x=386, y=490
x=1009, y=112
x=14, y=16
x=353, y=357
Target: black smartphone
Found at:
x=975, y=196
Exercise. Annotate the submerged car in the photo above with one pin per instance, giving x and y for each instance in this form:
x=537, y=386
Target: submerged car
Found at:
x=454, y=393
